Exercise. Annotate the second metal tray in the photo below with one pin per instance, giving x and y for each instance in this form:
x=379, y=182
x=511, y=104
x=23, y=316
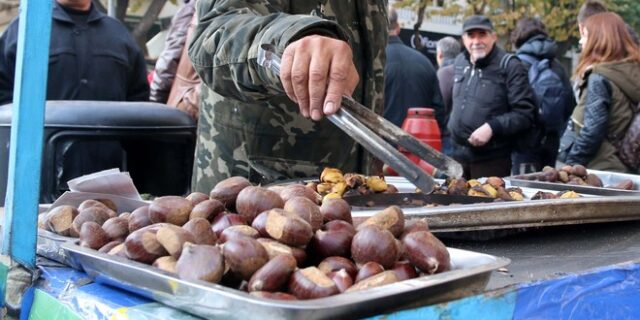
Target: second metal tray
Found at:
x=608, y=178
x=470, y=274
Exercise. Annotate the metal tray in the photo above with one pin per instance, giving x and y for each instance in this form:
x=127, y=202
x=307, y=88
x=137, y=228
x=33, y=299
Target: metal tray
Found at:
x=50, y=246
x=608, y=178
x=517, y=214
x=470, y=275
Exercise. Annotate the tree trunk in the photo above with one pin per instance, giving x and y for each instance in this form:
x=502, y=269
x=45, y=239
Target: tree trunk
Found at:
x=121, y=9
x=140, y=32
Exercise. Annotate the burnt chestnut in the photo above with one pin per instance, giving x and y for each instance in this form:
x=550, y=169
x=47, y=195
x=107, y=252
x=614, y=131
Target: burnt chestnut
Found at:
x=253, y=200
x=92, y=235
x=200, y=262
x=60, y=219
x=374, y=244
x=227, y=190
x=332, y=264
x=336, y=209
x=201, y=230
x=367, y=270
x=391, y=218
x=311, y=283
x=139, y=218
x=170, y=209
x=273, y=275
x=426, y=252
x=208, y=209
x=305, y=209
x=172, y=238
x=244, y=256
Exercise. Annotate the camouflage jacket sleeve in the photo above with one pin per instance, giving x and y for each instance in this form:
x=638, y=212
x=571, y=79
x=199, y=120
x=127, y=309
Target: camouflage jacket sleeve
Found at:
x=226, y=41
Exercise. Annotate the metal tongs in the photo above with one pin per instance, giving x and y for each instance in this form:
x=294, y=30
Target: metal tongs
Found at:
x=367, y=128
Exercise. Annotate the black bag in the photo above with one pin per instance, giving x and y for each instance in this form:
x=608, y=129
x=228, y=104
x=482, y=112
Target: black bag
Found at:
x=533, y=138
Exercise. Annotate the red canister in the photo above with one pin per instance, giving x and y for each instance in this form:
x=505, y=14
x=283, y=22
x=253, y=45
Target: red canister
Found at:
x=421, y=123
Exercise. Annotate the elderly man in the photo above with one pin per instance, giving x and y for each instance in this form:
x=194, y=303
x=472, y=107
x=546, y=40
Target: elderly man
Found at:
x=492, y=103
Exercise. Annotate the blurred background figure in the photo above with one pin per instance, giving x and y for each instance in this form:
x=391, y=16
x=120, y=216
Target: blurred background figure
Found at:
x=447, y=49
x=175, y=82
x=410, y=79
x=591, y=7
x=608, y=90
x=551, y=86
x=91, y=57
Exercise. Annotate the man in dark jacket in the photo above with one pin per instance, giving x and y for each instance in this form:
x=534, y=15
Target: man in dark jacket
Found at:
x=492, y=104
x=91, y=57
x=447, y=50
x=410, y=79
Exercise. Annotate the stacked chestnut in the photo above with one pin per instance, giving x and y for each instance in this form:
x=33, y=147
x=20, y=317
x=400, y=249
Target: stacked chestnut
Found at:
x=276, y=242
x=493, y=187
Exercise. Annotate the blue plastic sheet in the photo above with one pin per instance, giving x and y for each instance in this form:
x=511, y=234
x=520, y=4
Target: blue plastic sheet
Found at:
x=611, y=292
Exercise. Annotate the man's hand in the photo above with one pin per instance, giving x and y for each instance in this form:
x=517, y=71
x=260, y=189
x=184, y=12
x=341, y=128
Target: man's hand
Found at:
x=315, y=72
x=481, y=136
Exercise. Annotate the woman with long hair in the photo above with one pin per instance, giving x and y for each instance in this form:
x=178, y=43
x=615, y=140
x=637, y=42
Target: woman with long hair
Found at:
x=608, y=88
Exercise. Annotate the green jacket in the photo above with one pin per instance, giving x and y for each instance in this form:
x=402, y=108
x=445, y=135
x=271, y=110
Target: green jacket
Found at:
x=621, y=94
x=247, y=126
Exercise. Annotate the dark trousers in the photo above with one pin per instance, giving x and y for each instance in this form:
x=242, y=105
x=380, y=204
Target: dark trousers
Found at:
x=500, y=167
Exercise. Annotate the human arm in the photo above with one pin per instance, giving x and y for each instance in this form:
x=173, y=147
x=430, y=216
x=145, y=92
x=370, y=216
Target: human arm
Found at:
x=167, y=63
x=594, y=126
x=229, y=33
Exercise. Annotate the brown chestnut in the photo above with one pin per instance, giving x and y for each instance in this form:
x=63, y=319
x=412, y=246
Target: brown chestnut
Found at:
x=200, y=262
x=233, y=232
x=339, y=225
x=374, y=244
x=60, y=219
x=342, y=279
x=426, y=252
x=391, y=218
x=311, y=283
x=367, y=270
x=253, y=200
x=380, y=279
x=92, y=235
x=405, y=270
x=139, y=218
x=207, y=209
x=116, y=228
x=166, y=263
x=336, y=209
x=107, y=247
x=305, y=209
x=273, y=295
x=275, y=248
x=244, y=256
x=332, y=264
x=331, y=243
x=170, y=209
x=415, y=225
x=260, y=223
x=201, y=230
x=288, y=228
x=297, y=190
x=196, y=197
x=227, y=190
x=274, y=274
x=226, y=220
x=172, y=238
x=143, y=246
x=96, y=214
